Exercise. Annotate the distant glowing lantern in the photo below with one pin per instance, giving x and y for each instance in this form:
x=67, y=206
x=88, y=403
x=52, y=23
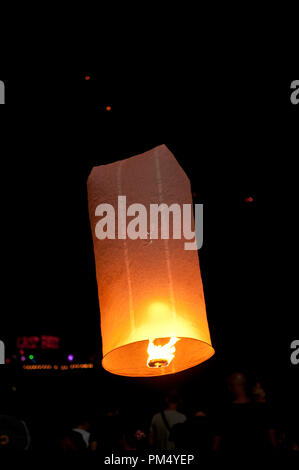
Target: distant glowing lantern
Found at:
x=153, y=315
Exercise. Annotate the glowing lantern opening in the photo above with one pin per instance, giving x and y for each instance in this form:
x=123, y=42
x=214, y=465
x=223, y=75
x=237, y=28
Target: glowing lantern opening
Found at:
x=161, y=356
x=153, y=316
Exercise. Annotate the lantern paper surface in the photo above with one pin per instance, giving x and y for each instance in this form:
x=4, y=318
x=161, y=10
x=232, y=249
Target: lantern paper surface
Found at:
x=148, y=288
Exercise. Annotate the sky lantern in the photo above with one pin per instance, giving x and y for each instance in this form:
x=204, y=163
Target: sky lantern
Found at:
x=153, y=315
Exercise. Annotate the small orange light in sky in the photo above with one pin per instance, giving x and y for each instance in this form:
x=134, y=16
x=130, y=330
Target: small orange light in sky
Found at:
x=108, y=108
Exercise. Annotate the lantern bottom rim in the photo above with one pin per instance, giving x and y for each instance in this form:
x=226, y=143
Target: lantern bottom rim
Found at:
x=130, y=360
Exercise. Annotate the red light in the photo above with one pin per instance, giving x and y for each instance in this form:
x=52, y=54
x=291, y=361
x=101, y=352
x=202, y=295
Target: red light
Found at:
x=7, y=360
x=50, y=342
x=249, y=199
x=108, y=108
x=87, y=77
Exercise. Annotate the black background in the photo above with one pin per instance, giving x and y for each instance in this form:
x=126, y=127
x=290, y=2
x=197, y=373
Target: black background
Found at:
x=235, y=132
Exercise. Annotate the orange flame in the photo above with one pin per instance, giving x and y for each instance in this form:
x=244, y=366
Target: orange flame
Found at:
x=161, y=356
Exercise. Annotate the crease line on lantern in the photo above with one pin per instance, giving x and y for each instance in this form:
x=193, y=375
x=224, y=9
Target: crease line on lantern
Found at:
x=126, y=256
x=166, y=247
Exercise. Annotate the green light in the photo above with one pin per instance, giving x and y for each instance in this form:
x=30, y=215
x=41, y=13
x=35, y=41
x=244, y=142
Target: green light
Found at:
x=31, y=356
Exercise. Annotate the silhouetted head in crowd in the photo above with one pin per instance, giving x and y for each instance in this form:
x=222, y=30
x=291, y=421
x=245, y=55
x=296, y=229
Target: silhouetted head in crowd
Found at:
x=259, y=393
x=172, y=400
x=237, y=386
x=132, y=437
x=82, y=422
x=112, y=410
x=200, y=414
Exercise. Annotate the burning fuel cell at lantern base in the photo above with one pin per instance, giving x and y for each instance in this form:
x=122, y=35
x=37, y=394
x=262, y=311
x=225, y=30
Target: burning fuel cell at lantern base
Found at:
x=153, y=316
x=161, y=356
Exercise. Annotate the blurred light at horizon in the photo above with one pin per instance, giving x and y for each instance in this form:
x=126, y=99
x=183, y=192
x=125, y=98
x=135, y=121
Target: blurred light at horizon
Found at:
x=58, y=367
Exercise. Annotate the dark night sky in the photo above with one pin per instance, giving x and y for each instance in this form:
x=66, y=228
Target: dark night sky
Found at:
x=233, y=141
